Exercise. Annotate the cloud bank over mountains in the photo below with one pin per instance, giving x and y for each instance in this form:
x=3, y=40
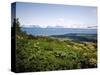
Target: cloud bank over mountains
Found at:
x=59, y=26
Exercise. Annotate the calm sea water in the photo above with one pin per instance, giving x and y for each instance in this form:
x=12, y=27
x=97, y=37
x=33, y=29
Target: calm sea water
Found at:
x=57, y=31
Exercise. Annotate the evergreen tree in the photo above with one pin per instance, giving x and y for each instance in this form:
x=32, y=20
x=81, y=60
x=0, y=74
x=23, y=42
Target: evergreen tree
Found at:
x=17, y=24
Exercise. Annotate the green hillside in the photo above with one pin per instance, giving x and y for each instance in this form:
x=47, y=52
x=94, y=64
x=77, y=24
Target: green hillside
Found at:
x=44, y=53
x=40, y=53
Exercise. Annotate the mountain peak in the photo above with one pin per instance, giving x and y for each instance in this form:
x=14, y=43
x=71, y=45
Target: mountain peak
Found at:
x=54, y=27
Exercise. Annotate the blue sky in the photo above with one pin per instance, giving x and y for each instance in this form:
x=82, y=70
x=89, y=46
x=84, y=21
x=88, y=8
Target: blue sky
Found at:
x=67, y=16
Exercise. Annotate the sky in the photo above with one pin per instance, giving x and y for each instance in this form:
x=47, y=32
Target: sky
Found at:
x=46, y=15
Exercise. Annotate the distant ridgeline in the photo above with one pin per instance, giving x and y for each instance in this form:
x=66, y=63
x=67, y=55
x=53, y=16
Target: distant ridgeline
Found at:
x=79, y=37
x=76, y=34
